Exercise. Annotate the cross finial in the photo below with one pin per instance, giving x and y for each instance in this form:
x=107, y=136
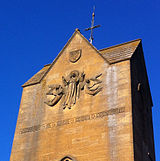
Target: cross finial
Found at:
x=92, y=26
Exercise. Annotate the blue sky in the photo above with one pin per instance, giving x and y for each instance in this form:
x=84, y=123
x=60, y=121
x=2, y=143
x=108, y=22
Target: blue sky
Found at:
x=33, y=32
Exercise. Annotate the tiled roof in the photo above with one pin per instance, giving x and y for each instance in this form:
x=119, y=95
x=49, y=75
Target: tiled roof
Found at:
x=37, y=77
x=120, y=52
x=111, y=54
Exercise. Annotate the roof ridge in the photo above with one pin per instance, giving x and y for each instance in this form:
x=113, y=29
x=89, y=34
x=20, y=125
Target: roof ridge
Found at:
x=120, y=44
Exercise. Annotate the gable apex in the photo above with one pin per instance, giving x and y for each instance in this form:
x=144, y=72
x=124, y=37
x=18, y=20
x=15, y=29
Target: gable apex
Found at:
x=74, y=34
x=110, y=55
x=37, y=78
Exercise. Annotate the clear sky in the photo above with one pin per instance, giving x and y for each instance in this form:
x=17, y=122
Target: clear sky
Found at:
x=32, y=33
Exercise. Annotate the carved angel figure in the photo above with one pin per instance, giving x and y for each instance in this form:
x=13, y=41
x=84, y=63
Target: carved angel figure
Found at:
x=72, y=84
x=55, y=93
x=93, y=85
x=71, y=89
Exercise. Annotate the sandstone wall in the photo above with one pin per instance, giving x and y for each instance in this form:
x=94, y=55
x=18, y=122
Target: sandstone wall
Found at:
x=97, y=128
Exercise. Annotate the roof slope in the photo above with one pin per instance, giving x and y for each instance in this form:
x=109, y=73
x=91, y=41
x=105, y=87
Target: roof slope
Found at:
x=37, y=77
x=111, y=54
x=120, y=52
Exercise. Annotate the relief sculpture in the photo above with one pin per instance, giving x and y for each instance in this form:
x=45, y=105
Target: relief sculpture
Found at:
x=73, y=84
x=71, y=88
x=93, y=85
x=55, y=93
x=74, y=56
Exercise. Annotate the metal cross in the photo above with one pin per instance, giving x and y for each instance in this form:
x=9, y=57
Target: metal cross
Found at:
x=92, y=26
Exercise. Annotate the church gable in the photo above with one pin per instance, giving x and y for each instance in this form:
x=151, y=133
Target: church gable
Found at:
x=79, y=66
x=76, y=51
x=110, y=55
x=74, y=48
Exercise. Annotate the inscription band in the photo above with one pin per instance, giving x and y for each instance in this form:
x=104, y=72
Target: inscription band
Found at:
x=73, y=120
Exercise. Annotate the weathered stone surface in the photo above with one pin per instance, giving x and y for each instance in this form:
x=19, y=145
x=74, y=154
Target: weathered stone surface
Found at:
x=98, y=127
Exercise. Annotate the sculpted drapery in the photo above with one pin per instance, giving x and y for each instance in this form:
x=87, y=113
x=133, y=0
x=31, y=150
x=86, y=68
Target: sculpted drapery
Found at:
x=71, y=88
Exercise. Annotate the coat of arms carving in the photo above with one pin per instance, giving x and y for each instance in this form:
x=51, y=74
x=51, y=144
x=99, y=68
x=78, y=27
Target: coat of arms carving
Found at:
x=74, y=56
x=71, y=88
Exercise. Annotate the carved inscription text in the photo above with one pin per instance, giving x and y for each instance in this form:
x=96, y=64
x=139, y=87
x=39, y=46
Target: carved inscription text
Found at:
x=73, y=120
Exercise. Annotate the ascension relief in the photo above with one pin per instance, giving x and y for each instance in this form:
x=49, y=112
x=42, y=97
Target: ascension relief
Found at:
x=71, y=88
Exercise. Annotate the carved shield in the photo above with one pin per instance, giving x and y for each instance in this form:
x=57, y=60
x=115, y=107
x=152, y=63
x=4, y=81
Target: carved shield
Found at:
x=75, y=55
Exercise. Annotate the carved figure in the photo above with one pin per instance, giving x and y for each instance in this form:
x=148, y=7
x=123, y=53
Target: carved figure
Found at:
x=55, y=92
x=93, y=85
x=72, y=86
x=71, y=89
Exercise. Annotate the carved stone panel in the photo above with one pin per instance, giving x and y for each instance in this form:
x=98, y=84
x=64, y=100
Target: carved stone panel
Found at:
x=72, y=84
x=93, y=85
x=56, y=91
x=71, y=88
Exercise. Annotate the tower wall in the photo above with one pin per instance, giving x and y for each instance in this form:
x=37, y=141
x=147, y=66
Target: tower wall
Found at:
x=87, y=106
x=142, y=109
x=98, y=127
